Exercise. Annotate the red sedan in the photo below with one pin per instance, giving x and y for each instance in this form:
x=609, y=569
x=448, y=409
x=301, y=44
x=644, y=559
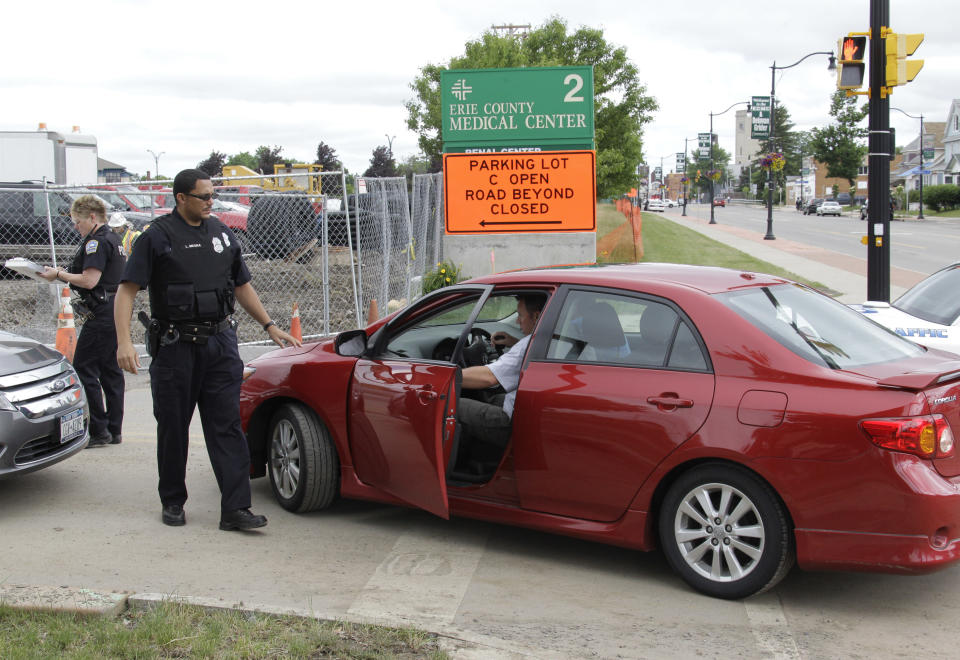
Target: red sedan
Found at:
x=719, y=202
x=740, y=422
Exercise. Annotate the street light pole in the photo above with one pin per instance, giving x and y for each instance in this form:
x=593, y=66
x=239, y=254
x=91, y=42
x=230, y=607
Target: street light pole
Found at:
x=156, y=162
x=390, y=143
x=831, y=66
x=712, y=115
x=920, y=216
x=685, y=192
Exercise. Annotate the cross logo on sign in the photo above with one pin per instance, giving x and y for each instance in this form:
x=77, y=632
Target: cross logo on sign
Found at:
x=460, y=89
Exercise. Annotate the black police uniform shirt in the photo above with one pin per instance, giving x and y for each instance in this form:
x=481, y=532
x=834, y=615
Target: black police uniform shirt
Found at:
x=100, y=249
x=177, y=255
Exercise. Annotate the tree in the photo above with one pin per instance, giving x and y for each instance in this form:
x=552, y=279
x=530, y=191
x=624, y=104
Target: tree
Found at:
x=697, y=164
x=213, y=165
x=416, y=164
x=840, y=145
x=621, y=104
x=382, y=163
x=267, y=157
x=244, y=158
x=327, y=157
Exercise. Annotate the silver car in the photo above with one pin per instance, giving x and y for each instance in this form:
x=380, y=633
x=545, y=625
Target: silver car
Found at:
x=830, y=208
x=43, y=410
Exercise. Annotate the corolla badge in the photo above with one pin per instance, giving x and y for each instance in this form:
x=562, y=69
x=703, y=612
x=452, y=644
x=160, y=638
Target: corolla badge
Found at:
x=945, y=399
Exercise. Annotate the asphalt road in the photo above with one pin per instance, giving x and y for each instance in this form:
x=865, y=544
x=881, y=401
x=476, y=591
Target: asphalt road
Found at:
x=919, y=245
x=93, y=522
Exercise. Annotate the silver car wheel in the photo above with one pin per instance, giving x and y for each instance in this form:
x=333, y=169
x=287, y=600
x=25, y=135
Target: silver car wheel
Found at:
x=285, y=458
x=719, y=532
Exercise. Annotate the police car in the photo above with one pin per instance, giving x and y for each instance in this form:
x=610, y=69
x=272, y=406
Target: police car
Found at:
x=928, y=314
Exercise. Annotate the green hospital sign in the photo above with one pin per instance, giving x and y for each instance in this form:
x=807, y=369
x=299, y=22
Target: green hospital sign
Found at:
x=546, y=107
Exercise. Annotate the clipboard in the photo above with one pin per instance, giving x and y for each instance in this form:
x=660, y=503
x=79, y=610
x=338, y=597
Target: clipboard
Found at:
x=25, y=267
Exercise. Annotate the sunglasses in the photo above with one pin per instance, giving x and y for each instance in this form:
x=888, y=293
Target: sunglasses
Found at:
x=204, y=198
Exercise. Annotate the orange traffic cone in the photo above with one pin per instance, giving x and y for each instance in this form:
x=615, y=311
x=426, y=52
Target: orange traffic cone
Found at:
x=66, y=341
x=372, y=313
x=295, y=329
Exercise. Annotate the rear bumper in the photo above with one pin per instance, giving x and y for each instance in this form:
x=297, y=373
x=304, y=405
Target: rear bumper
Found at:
x=819, y=549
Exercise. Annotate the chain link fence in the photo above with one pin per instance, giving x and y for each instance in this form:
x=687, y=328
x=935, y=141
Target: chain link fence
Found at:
x=304, y=240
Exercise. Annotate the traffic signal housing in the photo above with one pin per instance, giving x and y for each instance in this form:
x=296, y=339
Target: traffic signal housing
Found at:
x=900, y=70
x=851, y=69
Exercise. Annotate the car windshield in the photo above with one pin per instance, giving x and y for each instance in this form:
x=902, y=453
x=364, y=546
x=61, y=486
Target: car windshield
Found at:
x=818, y=328
x=935, y=299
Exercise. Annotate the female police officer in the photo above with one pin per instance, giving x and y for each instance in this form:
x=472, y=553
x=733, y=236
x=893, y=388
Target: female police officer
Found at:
x=94, y=274
x=192, y=264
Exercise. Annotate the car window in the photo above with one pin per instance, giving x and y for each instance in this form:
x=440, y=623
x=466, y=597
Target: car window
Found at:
x=935, y=298
x=616, y=329
x=818, y=328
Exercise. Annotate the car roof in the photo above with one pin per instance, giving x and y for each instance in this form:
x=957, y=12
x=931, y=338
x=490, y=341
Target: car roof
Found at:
x=708, y=279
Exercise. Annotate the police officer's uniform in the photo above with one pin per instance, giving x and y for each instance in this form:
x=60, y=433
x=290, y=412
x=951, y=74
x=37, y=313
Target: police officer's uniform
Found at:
x=191, y=273
x=95, y=358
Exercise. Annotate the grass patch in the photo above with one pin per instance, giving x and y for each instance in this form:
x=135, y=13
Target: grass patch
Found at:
x=668, y=242
x=173, y=630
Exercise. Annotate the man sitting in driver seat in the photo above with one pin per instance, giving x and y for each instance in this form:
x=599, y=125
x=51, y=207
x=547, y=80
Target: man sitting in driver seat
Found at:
x=487, y=425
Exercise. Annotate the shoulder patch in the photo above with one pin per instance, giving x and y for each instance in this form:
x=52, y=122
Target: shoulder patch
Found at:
x=91, y=246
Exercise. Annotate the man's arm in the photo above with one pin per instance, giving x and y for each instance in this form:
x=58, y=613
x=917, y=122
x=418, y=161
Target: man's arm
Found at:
x=478, y=378
x=127, y=356
x=247, y=297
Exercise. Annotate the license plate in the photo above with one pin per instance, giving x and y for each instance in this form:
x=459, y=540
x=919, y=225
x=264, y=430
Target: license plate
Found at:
x=71, y=425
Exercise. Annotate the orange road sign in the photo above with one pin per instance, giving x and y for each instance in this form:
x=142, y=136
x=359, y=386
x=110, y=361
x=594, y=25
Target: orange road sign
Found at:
x=544, y=191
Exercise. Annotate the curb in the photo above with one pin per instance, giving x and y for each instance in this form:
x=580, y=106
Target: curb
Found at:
x=458, y=643
x=62, y=599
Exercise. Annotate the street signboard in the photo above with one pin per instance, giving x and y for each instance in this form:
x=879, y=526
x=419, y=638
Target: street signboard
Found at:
x=657, y=174
x=539, y=106
x=703, y=141
x=497, y=193
x=681, y=162
x=928, y=153
x=760, y=117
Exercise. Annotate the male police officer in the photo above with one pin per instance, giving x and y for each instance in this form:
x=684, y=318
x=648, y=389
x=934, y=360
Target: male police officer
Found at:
x=94, y=274
x=192, y=265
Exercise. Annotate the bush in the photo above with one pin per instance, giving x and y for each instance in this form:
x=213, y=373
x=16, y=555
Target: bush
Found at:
x=942, y=198
x=445, y=274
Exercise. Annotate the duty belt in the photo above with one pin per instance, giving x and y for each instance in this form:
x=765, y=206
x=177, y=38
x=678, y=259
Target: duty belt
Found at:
x=194, y=332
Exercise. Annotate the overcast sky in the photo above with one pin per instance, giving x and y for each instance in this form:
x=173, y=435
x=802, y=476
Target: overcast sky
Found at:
x=185, y=78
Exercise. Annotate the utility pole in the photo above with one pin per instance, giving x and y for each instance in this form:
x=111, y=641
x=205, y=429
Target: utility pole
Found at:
x=156, y=162
x=878, y=152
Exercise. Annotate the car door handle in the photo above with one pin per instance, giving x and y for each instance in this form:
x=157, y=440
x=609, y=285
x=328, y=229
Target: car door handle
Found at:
x=426, y=396
x=669, y=402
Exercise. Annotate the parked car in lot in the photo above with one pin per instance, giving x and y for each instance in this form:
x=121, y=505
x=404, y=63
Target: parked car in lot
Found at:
x=928, y=313
x=656, y=205
x=829, y=207
x=43, y=410
x=812, y=206
x=735, y=420
x=844, y=199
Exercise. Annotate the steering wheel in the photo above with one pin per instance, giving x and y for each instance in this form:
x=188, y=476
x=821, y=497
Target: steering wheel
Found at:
x=479, y=351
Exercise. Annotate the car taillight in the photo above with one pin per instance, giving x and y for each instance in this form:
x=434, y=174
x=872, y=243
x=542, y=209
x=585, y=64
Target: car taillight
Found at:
x=926, y=436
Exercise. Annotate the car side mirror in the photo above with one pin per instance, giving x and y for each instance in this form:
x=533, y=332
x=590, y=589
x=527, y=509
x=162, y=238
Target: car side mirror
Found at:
x=352, y=343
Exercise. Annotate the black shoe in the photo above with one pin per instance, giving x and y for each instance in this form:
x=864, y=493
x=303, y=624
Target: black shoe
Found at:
x=241, y=519
x=174, y=516
x=116, y=439
x=99, y=440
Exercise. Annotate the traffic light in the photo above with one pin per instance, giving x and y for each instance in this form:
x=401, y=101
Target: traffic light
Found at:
x=850, y=67
x=900, y=71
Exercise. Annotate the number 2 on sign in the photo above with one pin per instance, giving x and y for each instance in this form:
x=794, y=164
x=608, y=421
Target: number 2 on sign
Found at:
x=577, y=82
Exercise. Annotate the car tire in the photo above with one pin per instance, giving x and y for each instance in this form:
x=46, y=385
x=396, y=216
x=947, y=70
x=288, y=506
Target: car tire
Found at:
x=753, y=551
x=301, y=460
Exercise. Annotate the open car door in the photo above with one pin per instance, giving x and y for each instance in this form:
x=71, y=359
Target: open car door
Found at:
x=403, y=417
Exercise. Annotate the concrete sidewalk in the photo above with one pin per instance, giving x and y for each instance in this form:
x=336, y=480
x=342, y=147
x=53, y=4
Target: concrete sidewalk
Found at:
x=845, y=276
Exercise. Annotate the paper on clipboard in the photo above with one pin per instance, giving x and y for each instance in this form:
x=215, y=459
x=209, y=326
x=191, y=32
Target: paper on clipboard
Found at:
x=25, y=267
